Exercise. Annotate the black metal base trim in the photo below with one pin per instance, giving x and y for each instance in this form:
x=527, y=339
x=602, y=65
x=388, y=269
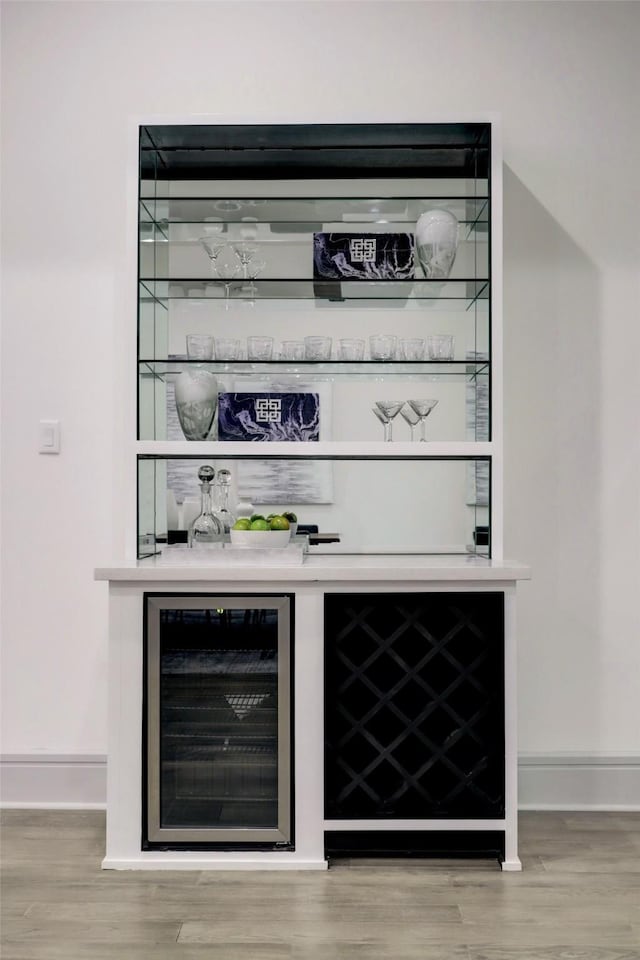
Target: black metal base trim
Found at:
x=487, y=844
x=219, y=847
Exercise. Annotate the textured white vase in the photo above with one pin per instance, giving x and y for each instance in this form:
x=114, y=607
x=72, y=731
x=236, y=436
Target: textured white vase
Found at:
x=196, y=393
x=437, y=243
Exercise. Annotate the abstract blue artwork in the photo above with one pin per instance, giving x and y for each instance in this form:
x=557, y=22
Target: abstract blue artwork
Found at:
x=268, y=416
x=364, y=256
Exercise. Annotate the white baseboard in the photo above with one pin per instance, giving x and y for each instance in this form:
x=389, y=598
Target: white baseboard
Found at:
x=579, y=782
x=73, y=781
x=546, y=782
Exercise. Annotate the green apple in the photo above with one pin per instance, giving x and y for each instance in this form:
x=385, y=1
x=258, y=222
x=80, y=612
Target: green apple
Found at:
x=279, y=523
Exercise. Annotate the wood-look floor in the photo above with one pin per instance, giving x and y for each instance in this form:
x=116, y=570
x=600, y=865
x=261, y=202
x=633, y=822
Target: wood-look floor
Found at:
x=577, y=899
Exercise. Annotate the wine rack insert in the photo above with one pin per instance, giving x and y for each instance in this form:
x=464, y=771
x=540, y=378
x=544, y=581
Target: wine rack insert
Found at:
x=414, y=706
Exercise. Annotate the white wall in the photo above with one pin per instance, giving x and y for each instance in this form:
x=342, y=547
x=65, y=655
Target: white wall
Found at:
x=565, y=78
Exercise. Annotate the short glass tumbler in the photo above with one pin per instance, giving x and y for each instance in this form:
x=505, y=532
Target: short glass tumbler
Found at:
x=441, y=346
x=259, y=348
x=228, y=349
x=382, y=346
x=199, y=347
x=317, y=348
x=292, y=350
x=351, y=350
x=412, y=349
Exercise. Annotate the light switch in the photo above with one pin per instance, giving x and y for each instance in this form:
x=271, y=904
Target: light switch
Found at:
x=49, y=436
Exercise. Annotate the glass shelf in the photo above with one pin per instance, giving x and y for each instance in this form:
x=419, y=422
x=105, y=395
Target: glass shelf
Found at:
x=400, y=291
x=296, y=214
x=441, y=371
x=339, y=401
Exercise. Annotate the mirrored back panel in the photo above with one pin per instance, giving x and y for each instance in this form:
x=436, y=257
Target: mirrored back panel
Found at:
x=365, y=505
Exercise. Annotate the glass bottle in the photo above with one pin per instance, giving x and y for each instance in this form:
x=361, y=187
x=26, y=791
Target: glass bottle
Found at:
x=223, y=510
x=208, y=526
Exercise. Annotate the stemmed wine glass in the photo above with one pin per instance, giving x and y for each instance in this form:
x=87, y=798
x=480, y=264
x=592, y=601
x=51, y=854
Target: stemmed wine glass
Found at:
x=423, y=408
x=409, y=414
x=389, y=410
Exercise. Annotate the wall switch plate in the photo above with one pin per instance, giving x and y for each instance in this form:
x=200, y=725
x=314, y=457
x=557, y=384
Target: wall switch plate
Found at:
x=49, y=436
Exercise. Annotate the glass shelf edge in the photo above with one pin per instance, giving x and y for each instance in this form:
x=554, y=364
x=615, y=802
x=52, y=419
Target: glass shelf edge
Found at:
x=319, y=290
x=161, y=368
x=343, y=449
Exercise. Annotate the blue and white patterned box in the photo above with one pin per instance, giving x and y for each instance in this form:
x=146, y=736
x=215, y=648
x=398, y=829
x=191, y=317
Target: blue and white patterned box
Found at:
x=268, y=416
x=363, y=256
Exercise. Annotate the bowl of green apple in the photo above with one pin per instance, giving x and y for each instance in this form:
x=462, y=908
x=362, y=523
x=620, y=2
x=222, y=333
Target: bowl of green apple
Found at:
x=259, y=531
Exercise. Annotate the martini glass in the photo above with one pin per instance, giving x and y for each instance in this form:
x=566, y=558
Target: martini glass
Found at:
x=423, y=408
x=384, y=420
x=227, y=268
x=214, y=244
x=412, y=418
x=253, y=269
x=245, y=251
x=391, y=409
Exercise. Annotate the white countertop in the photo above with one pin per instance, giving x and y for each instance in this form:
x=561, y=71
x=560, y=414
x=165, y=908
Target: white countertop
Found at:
x=344, y=567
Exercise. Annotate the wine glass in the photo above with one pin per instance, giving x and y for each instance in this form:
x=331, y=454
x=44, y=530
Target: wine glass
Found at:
x=423, y=408
x=411, y=417
x=391, y=409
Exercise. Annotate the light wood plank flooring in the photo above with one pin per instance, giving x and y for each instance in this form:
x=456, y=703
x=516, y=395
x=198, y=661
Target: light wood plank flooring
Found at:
x=577, y=899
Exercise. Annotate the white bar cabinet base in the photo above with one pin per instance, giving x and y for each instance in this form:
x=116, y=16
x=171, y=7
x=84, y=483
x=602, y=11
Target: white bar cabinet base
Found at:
x=196, y=861
x=511, y=866
x=309, y=582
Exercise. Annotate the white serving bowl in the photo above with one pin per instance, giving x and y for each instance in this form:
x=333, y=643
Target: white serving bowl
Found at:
x=260, y=538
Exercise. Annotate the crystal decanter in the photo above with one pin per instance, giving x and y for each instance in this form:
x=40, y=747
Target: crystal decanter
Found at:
x=208, y=526
x=223, y=510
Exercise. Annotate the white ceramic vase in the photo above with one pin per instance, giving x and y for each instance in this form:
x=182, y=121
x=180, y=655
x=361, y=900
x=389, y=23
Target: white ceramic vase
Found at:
x=437, y=243
x=196, y=393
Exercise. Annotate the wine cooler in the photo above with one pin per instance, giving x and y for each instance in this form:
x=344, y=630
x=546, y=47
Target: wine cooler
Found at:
x=217, y=742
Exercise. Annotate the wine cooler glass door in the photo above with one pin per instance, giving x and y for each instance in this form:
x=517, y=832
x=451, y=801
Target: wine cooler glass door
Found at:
x=218, y=742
